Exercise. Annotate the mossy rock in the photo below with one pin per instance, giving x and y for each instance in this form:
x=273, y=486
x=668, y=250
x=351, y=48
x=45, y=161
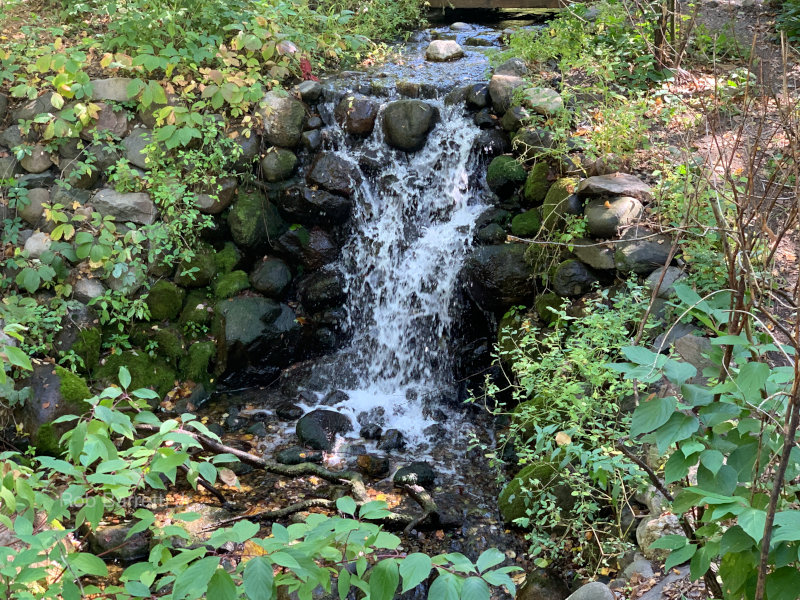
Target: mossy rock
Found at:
x=254, y=221
x=228, y=258
x=536, y=184
x=231, y=284
x=165, y=300
x=543, y=304
x=527, y=224
x=524, y=490
x=197, y=272
x=74, y=389
x=556, y=202
x=87, y=347
x=170, y=344
x=145, y=371
x=526, y=415
x=196, y=363
x=198, y=312
x=505, y=175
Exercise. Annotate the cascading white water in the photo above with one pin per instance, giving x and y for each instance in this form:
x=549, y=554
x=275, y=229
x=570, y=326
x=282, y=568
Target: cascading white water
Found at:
x=413, y=224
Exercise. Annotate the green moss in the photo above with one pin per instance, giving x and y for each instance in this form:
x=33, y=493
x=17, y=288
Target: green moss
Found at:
x=87, y=346
x=195, y=365
x=73, y=388
x=197, y=313
x=228, y=258
x=505, y=175
x=527, y=224
x=231, y=284
x=145, y=371
x=165, y=300
x=170, y=344
x=544, y=303
x=199, y=271
x=46, y=440
x=554, y=203
x=536, y=184
x=525, y=489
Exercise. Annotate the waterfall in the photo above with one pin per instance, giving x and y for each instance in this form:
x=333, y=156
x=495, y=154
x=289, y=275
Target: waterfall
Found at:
x=412, y=228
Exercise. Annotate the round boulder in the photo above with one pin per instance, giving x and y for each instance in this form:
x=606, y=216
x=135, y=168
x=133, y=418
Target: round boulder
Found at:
x=278, y=164
x=443, y=51
x=604, y=218
x=499, y=276
x=356, y=114
x=283, y=118
x=319, y=428
x=271, y=277
x=505, y=175
x=407, y=123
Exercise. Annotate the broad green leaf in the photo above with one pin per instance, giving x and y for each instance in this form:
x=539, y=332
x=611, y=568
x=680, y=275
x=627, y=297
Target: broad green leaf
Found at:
x=678, y=372
x=783, y=584
x=712, y=460
x=383, y=580
x=677, y=466
x=17, y=357
x=124, y=377
x=258, y=579
x=680, y=556
x=343, y=584
x=670, y=542
x=701, y=561
x=652, y=414
x=444, y=587
x=678, y=427
x=88, y=564
x=752, y=521
x=414, y=569
x=347, y=505
x=501, y=579
x=696, y=395
x=752, y=379
x=475, y=588
x=221, y=586
x=489, y=558
x=788, y=526
x=193, y=582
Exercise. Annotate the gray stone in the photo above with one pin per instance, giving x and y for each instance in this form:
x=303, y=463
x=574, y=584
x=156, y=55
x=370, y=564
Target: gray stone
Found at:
x=604, y=218
x=319, y=428
x=417, y=473
x=112, y=542
x=134, y=146
x=443, y=51
x=104, y=154
x=653, y=528
x=642, y=251
x=333, y=173
x=593, y=591
x=478, y=95
x=312, y=140
x=33, y=211
x=407, y=123
x=38, y=244
x=640, y=567
x=667, y=288
x=513, y=66
x=251, y=146
x=214, y=204
x=38, y=161
x=271, y=277
x=136, y=207
x=309, y=91
x=499, y=276
x=618, y=184
x=30, y=109
x=9, y=166
x=392, y=440
x=373, y=466
x=254, y=221
x=481, y=42
x=129, y=281
x=501, y=90
x=11, y=137
x=356, y=114
x=544, y=101
x=110, y=121
x=695, y=351
x=3, y=107
x=278, y=164
x=597, y=256
x=514, y=118
x=283, y=118
x=84, y=290
x=573, y=278
x=114, y=89
x=657, y=592
x=669, y=337
x=459, y=26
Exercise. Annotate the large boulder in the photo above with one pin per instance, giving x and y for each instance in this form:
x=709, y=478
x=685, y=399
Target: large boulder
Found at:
x=37, y=160
x=654, y=527
x=499, y=276
x=134, y=147
x=642, y=251
x=573, y=278
x=311, y=206
x=113, y=88
x=319, y=428
x=322, y=289
x=110, y=121
x=165, y=300
x=407, y=123
x=356, y=114
x=254, y=221
x=333, y=173
x=542, y=100
x=443, y=51
x=114, y=542
x=505, y=175
x=134, y=207
x=604, y=218
x=271, y=276
x=312, y=248
x=618, y=184
x=283, y=118
x=278, y=164
x=501, y=90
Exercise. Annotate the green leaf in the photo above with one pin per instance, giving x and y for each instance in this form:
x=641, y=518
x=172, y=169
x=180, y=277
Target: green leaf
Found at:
x=678, y=372
x=193, y=582
x=752, y=379
x=346, y=505
x=475, y=588
x=734, y=540
x=677, y=466
x=124, y=377
x=712, y=460
x=221, y=586
x=783, y=584
x=678, y=427
x=444, y=587
x=258, y=579
x=680, y=556
x=670, y=542
x=383, y=580
x=489, y=558
x=752, y=521
x=414, y=569
x=88, y=564
x=701, y=561
x=788, y=526
x=499, y=578
x=652, y=414
x=343, y=584
x=696, y=395
x=17, y=357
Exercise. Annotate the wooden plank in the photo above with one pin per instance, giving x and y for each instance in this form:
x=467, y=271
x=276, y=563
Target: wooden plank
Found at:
x=496, y=3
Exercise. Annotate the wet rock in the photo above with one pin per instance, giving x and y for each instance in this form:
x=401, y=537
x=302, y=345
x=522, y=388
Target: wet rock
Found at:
x=443, y=51
x=559, y=202
x=135, y=207
x=254, y=221
x=113, y=543
x=407, y=123
x=459, y=26
x=505, y=175
x=484, y=119
x=373, y=466
x=527, y=224
x=618, y=184
x=134, y=147
x=278, y=164
x=271, y=277
x=491, y=234
x=335, y=397
x=356, y=114
x=593, y=591
x=417, y=473
x=310, y=91
x=478, y=95
x=573, y=278
x=597, y=256
x=288, y=411
x=250, y=147
x=165, y=300
x=110, y=121
x=513, y=66
x=319, y=428
x=320, y=290
x=642, y=251
x=478, y=41
x=283, y=118
x=371, y=431
x=499, y=276
x=312, y=140
x=653, y=528
x=667, y=288
x=333, y=173
x=314, y=206
x=492, y=142
x=38, y=244
x=392, y=440
x=297, y=455
x=604, y=218
x=85, y=290
x=543, y=101
x=501, y=90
